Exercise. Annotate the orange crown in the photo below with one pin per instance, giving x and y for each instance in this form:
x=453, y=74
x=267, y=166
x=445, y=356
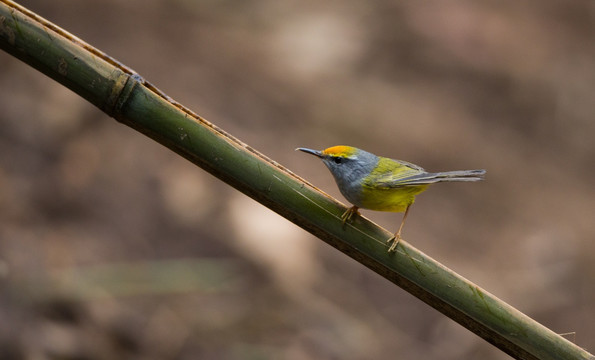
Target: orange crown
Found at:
x=340, y=150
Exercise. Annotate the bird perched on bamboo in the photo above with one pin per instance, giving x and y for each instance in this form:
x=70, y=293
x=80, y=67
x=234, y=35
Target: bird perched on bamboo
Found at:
x=378, y=183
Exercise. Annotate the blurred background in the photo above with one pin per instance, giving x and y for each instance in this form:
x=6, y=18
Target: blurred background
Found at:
x=113, y=247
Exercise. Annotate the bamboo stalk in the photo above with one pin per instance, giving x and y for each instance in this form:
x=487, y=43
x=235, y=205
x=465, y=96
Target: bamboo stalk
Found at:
x=121, y=93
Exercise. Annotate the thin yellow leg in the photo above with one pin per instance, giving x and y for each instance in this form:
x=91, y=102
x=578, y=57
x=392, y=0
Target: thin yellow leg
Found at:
x=348, y=214
x=395, y=239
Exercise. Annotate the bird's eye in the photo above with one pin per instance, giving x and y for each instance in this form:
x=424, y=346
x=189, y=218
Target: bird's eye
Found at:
x=338, y=160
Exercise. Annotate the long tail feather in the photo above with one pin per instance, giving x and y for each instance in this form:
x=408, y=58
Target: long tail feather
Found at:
x=430, y=178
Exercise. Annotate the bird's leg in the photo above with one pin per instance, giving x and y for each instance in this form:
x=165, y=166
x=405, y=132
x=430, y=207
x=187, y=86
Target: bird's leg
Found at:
x=348, y=214
x=395, y=239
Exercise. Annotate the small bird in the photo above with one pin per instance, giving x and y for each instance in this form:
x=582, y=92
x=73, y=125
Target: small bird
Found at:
x=377, y=183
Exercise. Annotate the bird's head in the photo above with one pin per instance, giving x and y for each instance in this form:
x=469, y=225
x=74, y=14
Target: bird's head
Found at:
x=346, y=163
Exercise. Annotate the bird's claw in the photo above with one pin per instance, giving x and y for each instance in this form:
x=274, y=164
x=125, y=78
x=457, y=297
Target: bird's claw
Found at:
x=395, y=239
x=348, y=215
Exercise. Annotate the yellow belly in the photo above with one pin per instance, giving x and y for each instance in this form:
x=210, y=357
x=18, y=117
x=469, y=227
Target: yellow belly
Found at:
x=393, y=200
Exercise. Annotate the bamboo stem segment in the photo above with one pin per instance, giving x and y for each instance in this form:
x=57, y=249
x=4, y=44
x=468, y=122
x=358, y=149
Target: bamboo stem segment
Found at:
x=121, y=93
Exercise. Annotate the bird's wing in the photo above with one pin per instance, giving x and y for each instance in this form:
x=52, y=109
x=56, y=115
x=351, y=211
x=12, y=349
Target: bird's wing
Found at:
x=391, y=173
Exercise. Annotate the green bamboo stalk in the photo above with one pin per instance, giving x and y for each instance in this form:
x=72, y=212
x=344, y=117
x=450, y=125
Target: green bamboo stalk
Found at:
x=124, y=95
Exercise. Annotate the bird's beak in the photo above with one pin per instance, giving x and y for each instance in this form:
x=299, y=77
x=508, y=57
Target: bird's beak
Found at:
x=310, y=151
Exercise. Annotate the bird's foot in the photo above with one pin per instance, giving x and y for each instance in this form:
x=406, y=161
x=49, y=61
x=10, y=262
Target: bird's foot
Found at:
x=348, y=215
x=395, y=239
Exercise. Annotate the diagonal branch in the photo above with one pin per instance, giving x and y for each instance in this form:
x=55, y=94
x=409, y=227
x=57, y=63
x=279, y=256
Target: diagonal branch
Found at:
x=124, y=95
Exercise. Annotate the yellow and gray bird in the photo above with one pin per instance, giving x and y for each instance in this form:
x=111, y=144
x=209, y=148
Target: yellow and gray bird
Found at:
x=377, y=183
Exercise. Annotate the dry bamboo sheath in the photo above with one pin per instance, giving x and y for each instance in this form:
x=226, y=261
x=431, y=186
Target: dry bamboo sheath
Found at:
x=122, y=94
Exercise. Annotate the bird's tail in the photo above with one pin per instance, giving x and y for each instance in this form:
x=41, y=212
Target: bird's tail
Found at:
x=430, y=178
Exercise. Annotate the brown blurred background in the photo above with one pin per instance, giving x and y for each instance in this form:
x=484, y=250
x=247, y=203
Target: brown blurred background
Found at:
x=113, y=247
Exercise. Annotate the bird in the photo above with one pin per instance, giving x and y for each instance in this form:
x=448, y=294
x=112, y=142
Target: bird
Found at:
x=379, y=183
